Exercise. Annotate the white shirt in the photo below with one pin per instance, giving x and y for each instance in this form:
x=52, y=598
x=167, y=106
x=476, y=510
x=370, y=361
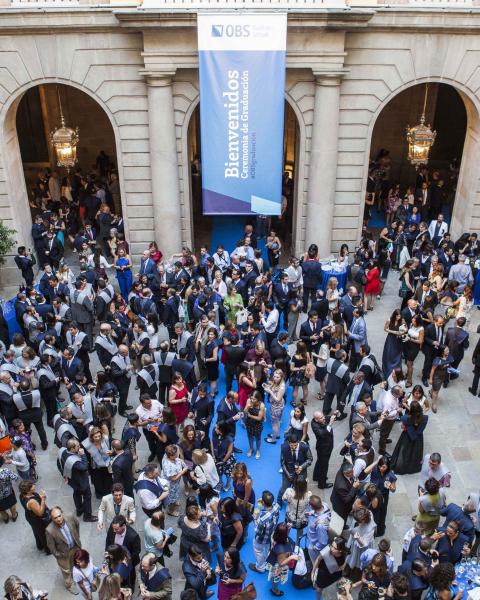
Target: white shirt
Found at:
x=207, y=473
x=390, y=406
x=147, y=498
x=83, y=576
x=20, y=460
x=153, y=413
x=270, y=321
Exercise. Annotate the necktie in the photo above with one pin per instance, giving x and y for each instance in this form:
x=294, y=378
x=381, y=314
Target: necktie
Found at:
x=73, y=339
x=116, y=508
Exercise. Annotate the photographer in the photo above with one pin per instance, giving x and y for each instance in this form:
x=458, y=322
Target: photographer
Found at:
x=16, y=589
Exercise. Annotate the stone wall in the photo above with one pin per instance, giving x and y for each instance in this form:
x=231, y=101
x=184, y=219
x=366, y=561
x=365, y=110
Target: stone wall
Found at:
x=105, y=65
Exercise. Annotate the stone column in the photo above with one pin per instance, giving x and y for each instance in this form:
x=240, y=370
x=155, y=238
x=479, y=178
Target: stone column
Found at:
x=164, y=163
x=322, y=173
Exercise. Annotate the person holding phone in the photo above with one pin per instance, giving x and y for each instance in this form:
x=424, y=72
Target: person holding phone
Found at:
x=155, y=536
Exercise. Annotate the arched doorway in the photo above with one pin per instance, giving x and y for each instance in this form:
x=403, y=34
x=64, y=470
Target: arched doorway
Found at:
x=391, y=177
x=30, y=158
x=207, y=230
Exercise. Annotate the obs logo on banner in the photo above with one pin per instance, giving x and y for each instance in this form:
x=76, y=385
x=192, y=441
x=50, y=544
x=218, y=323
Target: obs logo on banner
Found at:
x=230, y=31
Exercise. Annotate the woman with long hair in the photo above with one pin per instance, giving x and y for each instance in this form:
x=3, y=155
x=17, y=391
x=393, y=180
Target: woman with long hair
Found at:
x=231, y=573
x=297, y=499
x=178, y=398
x=222, y=452
x=407, y=283
x=385, y=480
x=374, y=577
x=173, y=469
x=275, y=389
x=97, y=446
x=372, y=285
x=281, y=553
x=408, y=453
x=392, y=349
x=111, y=589
x=123, y=267
x=119, y=561
x=254, y=418
x=416, y=334
x=232, y=532
x=298, y=424
x=247, y=383
x=438, y=373
x=298, y=378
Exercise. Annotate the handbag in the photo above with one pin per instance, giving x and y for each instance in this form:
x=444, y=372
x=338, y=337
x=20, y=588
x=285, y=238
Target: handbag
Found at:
x=310, y=370
x=242, y=316
x=5, y=441
x=95, y=583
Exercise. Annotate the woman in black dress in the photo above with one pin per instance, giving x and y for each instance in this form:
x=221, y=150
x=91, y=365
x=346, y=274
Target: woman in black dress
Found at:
x=408, y=454
x=386, y=481
x=36, y=512
x=231, y=524
x=329, y=565
x=414, y=343
x=392, y=350
x=211, y=360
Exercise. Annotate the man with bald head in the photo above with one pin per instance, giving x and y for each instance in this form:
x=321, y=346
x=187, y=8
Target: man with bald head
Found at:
x=7, y=388
x=121, y=371
x=324, y=445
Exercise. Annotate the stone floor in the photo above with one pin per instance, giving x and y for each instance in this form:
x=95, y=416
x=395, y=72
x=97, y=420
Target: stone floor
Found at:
x=453, y=432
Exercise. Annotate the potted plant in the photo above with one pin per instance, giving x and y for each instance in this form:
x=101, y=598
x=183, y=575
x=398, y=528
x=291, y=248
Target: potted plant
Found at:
x=7, y=242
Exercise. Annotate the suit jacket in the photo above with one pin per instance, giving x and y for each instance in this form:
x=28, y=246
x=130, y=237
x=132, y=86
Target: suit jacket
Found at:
x=131, y=542
x=225, y=413
x=407, y=315
x=148, y=268
x=431, y=295
x=457, y=341
x=55, y=252
x=431, y=336
x=343, y=495
x=25, y=264
x=170, y=312
x=358, y=333
x=281, y=296
x=56, y=543
x=75, y=368
x=442, y=230
x=234, y=356
x=346, y=308
x=347, y=396
x=306, y=330
x=82, y=313
x=288, y=460
x=312, y=274
x=122, y=471
x=106, y=511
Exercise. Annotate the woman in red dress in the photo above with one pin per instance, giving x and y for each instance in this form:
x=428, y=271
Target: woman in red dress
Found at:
x=178, y=399
x=372, y=286
x=246, y=384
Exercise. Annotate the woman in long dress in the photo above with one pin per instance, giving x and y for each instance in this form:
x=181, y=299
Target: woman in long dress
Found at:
x=408, y=453
x=414, y=343
x=392, y=349
x=438, y=374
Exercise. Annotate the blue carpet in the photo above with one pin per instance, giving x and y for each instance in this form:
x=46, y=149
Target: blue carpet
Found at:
x=265, y=476
x=228, y=230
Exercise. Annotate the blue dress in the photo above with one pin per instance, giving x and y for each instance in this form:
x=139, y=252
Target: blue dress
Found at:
x=392, y=354
x=124, y=278
x=476, y=289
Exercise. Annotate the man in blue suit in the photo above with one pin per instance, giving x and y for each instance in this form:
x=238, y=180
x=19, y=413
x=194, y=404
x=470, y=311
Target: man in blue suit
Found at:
x=281, y=292
x=357, y=334
x=71, y=366
x=310, y=332
x=295, y=458
x=147, y=266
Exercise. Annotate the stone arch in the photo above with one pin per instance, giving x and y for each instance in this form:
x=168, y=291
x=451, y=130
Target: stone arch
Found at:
x=465, y=210
x=12, y=160
x=186, y=100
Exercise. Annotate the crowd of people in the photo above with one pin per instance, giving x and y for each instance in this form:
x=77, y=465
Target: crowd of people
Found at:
x=163, y=338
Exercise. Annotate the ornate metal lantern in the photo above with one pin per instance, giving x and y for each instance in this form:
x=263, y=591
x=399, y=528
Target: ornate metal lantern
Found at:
x=64, y=140
x=420, y=139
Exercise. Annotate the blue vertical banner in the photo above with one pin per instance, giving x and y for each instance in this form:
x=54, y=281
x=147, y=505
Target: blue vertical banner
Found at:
x=242, y=100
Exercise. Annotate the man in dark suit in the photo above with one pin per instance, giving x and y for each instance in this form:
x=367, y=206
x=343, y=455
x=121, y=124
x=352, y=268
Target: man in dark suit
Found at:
x=295, y=458
x=234, y=356
x=42, y=307
x=344, y=491
x=355, y=390
x=25, y=262
x=279, y=350
x=433, y=338
x=320, y=306
x=56, y=290
x=457, y=340
x=44, y=283
x=424, y=294
x=322, y=430
x=82, y=309
x=70, y=365
x=310, y=332
x=227, y=411
x=122, y=466
x=147, y=266
x=312, y=280
x=53, y=250
x=39, y=233
x=347, y=304
x=410, y=311
x=170, y=312
x=120, y=532
x=281, y=293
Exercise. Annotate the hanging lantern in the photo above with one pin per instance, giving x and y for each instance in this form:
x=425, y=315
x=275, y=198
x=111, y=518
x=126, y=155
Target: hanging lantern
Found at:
x=64, y=140
x=420, y=139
